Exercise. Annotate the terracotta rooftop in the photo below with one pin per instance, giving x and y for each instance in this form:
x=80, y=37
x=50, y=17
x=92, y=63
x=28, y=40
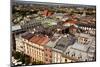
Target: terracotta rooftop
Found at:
x=72, y=22
x=39, y=39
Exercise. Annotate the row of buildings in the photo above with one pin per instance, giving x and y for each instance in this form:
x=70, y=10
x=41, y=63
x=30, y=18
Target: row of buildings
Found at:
x=59, y=49
x=54, y=35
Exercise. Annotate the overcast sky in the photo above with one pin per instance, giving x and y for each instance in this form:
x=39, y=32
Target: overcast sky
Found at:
x=87, y=2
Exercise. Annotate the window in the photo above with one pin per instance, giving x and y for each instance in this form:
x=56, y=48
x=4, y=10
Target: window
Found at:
x=68, y=52
x=65, y=60
x=86, y=60
x=50, y=56
x=46, y=49
x=42, y=54
x=50, y=61
x=46, y=59
x=46, y=55
x=21, y=47
x=50, y=50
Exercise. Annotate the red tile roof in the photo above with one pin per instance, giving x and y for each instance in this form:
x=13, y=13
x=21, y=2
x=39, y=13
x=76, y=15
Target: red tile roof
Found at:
x=49, y=13
x=40, y=39
x=45, y=12
x=72, y=22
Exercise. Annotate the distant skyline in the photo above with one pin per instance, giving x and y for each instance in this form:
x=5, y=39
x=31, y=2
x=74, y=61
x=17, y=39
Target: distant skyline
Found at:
x=87, y=2
x=53, y=4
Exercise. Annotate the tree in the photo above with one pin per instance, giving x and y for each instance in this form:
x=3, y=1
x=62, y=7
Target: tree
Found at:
x=17, y=55
x=37, y=62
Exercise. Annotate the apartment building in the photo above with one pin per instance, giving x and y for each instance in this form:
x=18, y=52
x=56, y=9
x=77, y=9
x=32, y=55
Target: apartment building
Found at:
x=59, y=44
x=32, y=45
x=87, y=28
x=83, y=49
x=57, y=57
x=47, y=55
x=58, y=49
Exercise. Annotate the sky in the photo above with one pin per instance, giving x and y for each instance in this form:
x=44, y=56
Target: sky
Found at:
x=87, y=2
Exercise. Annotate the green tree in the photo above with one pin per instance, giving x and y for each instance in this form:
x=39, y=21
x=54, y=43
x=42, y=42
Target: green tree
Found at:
x=17, y=55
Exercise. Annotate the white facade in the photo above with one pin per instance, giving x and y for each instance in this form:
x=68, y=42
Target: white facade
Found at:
x=33, y=50
x=59, y=58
